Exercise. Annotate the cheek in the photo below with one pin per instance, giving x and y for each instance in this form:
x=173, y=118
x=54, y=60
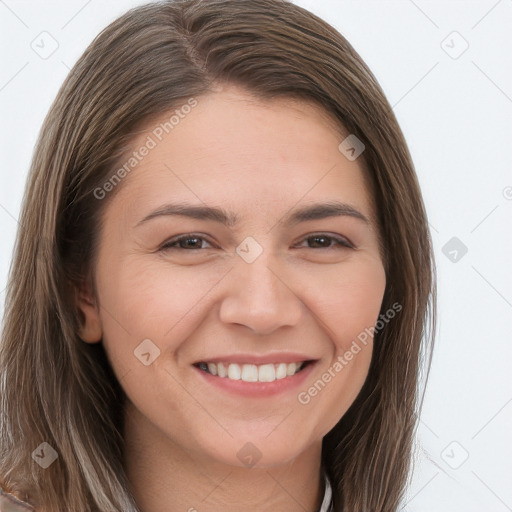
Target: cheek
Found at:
x=146, y=301
x=348, y=304
x=349, y=300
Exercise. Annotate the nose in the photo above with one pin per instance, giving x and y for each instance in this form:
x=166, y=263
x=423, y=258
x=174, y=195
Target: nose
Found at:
x=259, y=297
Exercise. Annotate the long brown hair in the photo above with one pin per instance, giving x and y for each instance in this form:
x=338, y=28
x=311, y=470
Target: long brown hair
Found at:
x=56, y=389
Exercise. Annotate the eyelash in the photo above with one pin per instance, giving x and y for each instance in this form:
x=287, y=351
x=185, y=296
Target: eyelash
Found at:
x=341, y=242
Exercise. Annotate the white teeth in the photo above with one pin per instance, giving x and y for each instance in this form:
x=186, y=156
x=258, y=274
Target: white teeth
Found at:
x=281, y=371
x=221, y=370
x=252, y=372
x=266, y=373
x=291, y=369
x=234, y=372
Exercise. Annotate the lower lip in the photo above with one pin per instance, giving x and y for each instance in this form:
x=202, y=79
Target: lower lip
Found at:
x=258, y=389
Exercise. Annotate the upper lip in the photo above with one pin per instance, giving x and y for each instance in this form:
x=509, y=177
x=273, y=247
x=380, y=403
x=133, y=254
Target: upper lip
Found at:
x=258, y=359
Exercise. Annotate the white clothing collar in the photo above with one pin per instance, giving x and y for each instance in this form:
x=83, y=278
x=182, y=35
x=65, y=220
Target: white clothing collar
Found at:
x=326, y=504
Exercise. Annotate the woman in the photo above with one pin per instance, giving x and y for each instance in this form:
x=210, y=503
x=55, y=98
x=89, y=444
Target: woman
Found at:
x=271, y=363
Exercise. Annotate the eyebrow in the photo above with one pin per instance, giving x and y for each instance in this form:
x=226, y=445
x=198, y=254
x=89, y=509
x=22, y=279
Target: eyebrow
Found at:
x=306, y=213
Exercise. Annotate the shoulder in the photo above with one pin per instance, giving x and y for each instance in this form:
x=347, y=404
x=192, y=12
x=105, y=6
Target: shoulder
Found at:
x=9, y=503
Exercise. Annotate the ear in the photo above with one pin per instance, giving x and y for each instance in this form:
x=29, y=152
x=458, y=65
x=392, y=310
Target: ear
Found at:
x=90, y=329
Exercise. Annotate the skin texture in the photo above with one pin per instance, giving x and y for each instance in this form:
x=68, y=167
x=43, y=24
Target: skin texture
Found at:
x=260, y=160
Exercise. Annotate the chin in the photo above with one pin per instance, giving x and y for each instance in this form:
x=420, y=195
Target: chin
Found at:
x=256, y=448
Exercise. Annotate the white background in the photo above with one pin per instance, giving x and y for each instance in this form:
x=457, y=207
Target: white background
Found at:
x=456, y=114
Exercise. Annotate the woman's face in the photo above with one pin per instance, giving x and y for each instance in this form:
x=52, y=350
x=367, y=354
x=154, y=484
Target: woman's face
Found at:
x=264, y=281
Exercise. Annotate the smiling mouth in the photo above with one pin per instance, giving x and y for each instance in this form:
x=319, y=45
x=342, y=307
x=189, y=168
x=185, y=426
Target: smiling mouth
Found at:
x=253, y=372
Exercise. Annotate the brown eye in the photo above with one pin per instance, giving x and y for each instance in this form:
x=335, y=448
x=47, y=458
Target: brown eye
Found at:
x=324, y=241
x=185, y=242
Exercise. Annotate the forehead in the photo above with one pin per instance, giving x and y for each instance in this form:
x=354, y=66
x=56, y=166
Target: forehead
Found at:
x=233, y=148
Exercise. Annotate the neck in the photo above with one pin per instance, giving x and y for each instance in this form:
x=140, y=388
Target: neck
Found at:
x=164, y=476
